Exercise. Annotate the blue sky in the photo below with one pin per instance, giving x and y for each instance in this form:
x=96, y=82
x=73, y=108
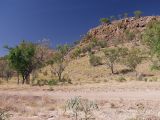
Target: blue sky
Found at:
x=61, y=21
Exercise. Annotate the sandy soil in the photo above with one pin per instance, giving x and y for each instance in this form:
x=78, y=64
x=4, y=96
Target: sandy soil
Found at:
x=116, y=101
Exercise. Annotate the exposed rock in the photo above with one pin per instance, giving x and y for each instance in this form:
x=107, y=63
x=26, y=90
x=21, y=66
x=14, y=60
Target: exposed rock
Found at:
x=117, y=28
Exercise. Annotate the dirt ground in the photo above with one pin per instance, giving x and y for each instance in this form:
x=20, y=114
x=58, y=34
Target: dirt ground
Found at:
x=117, y=101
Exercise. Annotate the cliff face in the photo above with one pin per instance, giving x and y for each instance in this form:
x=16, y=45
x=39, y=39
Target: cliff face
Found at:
x=124, y=30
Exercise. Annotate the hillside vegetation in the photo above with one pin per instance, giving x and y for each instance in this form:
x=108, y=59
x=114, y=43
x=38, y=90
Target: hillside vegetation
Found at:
x=113, y=51
x=111, y=73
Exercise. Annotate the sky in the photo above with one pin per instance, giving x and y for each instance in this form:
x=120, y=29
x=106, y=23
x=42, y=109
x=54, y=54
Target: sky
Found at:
x=60, y=21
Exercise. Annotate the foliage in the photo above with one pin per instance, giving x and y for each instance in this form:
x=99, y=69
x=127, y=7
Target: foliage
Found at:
x=112, y=56
x=27, y=57
x=95, y=60
x=129, y=35
x=76, y=53
x=133, y=58
x=155, y=63
x=41, y=82
x=58, y=62
x=5, y=70
x=121, y=79
x=4, y=115
x=52, y=82
x=78, y=105
x=151, y=38
x=137, y=13
x=21, y=58
x=102, y=43
x=87, y=48
x=63, y=49
x=94, y=43
x=104, y=20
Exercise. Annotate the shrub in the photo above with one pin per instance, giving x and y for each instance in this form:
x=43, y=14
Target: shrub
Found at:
x=102, y=44
x=41, y=82
x=95, y=60
x=104, y=20
x=137, y=14
x=76, y=53
x=153, y=79
x=52, y=82
x=121, y=79
x=111, y=56
x=133, y=58
x=4, y=115
x=129, y=35
x=81, y=108
x=87, y=48
x=151, y=38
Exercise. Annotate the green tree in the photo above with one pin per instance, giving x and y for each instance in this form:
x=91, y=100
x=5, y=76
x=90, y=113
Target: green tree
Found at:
x=151, y=38
x=112, y=56
x=76, y=52
x=58, y=62
x=138, y=13
x=104, y=20
x=133, y=58
x=95, y=60
x=21, y=58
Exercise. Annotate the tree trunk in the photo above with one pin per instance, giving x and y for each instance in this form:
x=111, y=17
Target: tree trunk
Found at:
x=18, y=78
x=59, y=77
x=23, y=81
x=112, y=70
x=27, y=79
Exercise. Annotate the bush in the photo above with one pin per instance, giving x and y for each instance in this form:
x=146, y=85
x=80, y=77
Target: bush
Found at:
x=81, y=108
x=137, y=14
x=87, y=48
x=42, y=82
x=121, y=79
x=102, y=44
x=104, y=20
x=95, y=60
x=133, y=58
x=52, y=82
x=111, y=57
x=76, y=53
x=4, y=115
x=129, y=35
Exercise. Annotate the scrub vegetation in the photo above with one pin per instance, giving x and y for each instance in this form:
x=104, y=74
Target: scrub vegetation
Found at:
x=104, y=75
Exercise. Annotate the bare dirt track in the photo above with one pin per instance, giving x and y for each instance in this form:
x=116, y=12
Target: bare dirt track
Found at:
x=117, y=101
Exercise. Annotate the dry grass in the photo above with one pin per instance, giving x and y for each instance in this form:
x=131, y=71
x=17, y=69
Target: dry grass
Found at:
x=115, y=100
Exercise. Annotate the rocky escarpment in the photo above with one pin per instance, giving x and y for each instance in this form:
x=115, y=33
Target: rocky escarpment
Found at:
x=128, y=30
x=120, y=30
